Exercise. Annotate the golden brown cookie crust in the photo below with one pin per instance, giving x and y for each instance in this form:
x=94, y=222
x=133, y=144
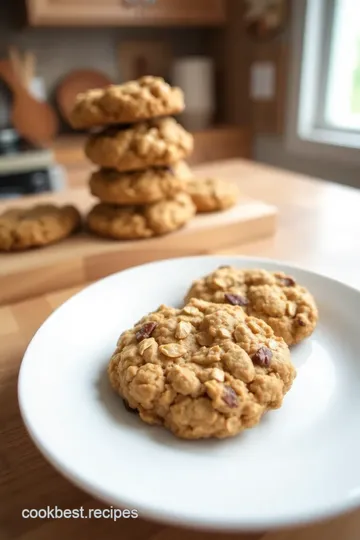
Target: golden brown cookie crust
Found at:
x=212, y=194
x=206, y=370
x=37, y=226
x=135, y=222
x=274, y=297
x=155, y=143
x=139, y=187
x=145, y=98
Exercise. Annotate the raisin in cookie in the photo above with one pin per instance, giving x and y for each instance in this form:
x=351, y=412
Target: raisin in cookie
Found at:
x=147, y=144
x=142, y=99
x=139, y=187
x=212, y=194
x=206, y=370
x=274, y=297
x=25, y=228
x=134, y=222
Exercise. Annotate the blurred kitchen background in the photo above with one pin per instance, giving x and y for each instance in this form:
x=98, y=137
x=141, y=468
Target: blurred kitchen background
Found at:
x=276, y=81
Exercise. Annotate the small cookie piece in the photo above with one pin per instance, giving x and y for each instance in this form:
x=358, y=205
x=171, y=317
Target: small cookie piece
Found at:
x=25, y=228
x=139, y=187
x=206, y=370
x=274, y=297
x=134, y=222
x=142, y=99
x=212, y=194
x=147, y=144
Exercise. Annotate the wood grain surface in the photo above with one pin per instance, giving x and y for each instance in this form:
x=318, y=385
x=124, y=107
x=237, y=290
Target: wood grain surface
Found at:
x=318, y=228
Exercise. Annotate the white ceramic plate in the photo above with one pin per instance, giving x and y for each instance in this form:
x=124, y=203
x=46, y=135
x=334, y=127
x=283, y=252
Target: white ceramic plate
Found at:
x=301, y=463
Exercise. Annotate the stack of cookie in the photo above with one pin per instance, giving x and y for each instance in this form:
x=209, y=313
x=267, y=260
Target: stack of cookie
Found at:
x=142, y=179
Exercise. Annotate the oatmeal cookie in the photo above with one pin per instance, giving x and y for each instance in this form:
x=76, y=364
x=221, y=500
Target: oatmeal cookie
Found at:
x=147, y=144
x=142, y=99
x=134, y=222
x=139, y=187
x=274, y=297
x=25, y=228
x=206, y=370
x=212, y=194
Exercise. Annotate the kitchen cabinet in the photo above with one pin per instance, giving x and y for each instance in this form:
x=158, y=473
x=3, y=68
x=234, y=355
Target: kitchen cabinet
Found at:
x=126, y=12
x=82, y=12
x=184, y=11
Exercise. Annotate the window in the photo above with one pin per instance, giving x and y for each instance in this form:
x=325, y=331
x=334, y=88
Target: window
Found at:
x=325, y=80
x=342, y=100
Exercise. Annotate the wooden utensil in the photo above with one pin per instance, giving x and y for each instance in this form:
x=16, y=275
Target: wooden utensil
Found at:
x=23, y=66
x=29, y=68
x=34, y=120
x=16, y=63
x=73, y=84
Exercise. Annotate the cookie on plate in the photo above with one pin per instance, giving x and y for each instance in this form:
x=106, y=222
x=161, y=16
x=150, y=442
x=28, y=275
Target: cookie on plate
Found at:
x=274, y=297
x=139, y=187
x=135, y=222
x=147, y=144
x=25, y=228
x=142, y=99
x=206, y=370
x=212, y=194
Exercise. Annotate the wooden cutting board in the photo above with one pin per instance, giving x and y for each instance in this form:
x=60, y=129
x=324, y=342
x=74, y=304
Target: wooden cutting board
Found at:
x=84, y=258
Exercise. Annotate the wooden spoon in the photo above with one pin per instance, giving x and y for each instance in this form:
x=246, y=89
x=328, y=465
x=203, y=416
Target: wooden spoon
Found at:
x=34, y=120
x=16, y=63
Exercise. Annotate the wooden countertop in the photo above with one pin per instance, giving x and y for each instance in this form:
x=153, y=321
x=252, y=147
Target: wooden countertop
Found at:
x=319, y=228
x=319, y=221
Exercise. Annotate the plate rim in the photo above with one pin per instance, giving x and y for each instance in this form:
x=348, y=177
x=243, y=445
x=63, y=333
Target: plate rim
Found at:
x=342, y=507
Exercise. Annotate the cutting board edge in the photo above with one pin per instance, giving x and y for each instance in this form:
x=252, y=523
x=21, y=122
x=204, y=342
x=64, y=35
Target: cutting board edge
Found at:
x=73, y=271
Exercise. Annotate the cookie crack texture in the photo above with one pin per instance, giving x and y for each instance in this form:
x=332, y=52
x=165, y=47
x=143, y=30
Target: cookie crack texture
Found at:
x=158, y=142
x=135, y=222
x=212, y=194
x=274, y=297
x=139, y=187
x=196, y=373
x=145, y=98
x=170, y=214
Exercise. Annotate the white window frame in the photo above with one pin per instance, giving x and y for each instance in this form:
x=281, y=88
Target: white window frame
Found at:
x=306, y=133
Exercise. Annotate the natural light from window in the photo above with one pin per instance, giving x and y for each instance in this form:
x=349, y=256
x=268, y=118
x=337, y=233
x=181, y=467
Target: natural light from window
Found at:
x=342, y=106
